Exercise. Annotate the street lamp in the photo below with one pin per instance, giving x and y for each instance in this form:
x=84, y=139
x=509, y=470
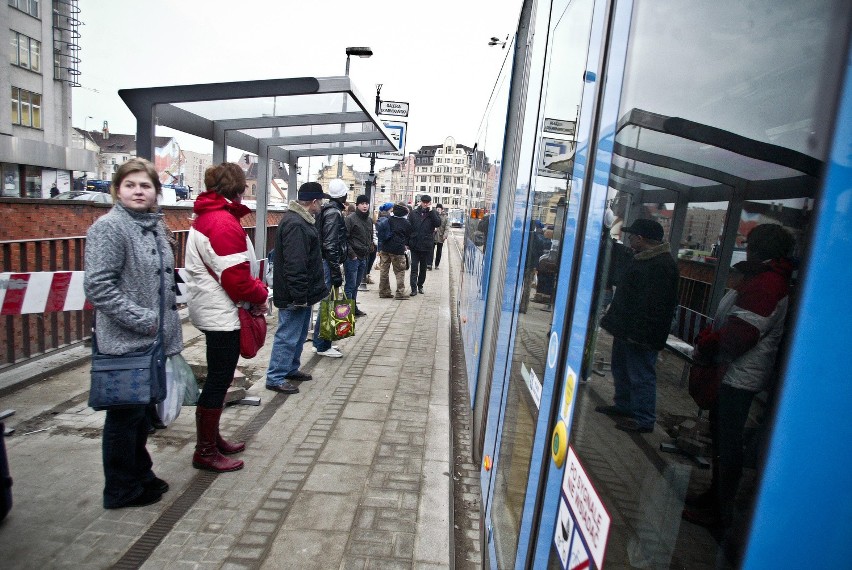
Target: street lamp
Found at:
x=350, y=51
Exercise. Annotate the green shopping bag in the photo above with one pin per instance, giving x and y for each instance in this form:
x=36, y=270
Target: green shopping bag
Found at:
x=337, y=316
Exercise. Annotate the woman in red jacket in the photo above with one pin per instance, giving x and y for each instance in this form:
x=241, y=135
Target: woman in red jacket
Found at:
x=223, y=274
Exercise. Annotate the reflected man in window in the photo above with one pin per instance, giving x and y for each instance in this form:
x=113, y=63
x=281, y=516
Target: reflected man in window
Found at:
x=639, y=319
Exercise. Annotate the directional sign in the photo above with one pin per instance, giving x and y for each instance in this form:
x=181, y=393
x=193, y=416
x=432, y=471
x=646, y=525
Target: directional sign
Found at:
x=396, y=108
x=559, y=127
x=397, y=130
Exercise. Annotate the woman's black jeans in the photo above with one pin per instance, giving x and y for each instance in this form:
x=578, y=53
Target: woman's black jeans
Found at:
x=223, y=352
x=127, y=464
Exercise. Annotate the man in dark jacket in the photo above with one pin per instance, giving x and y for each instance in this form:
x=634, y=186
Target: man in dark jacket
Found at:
x=639, y=318
x=392, y=251
x=359, y=232
x=423, y=221
x=298, y=283
x=335, y=250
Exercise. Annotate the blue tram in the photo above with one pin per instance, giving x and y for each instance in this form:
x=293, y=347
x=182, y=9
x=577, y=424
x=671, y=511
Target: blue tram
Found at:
x=710, y=118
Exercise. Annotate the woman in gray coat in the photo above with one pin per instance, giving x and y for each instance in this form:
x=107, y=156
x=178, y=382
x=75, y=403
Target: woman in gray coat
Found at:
x=126, y=254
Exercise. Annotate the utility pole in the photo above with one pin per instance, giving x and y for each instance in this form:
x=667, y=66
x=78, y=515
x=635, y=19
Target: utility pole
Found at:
x=371, y=177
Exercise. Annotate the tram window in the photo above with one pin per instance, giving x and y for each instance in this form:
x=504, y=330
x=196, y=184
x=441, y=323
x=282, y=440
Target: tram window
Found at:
x=709, y=192
x=544, y=186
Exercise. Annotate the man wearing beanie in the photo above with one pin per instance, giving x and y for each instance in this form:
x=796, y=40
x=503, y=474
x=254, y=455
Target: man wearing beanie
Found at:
x=395, y=231
x=424, y=222
x=298, y=283
x=335, y=248
x=359, y=232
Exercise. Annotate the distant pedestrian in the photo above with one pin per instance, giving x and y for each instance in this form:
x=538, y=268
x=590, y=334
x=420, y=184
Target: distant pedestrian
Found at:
x=394, y=232
x=639, y=320
x=122, y=282
x=359, y=233
x=223, y=275
x=424, y=221
x=298, y=283
x=440, y=234
x=335, y=250
x=54, y=191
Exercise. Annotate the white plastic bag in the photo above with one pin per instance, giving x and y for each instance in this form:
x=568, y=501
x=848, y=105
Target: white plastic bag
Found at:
x=185, y=382
x=169, y=409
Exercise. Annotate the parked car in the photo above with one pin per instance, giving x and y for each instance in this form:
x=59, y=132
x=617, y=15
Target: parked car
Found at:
x=97, y=197
x=98, y=186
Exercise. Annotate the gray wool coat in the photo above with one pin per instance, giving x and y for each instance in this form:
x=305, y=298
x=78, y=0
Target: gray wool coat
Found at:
x=122, y=281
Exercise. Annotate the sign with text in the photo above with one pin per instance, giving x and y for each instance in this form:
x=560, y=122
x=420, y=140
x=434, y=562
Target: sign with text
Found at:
x=395, y=108
x=592, y=519
x=559, y=127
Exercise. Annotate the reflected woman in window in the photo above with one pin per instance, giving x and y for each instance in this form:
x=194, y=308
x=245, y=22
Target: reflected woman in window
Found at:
x=744, y=340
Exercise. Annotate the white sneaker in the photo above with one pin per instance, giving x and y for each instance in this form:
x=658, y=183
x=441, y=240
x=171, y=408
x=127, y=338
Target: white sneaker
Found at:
x=331, y=353
x=363, y=287
x=334, y=346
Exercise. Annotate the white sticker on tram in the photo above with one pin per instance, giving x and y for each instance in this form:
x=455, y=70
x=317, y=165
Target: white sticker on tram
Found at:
x=592, y=518
x=552, y=349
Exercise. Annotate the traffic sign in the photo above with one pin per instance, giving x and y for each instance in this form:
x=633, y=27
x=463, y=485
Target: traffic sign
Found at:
x=559, y=126
x=396, y=108
x=397, y=130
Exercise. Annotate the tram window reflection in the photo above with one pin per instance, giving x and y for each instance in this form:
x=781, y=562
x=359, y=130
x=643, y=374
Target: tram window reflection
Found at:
x=685, y=157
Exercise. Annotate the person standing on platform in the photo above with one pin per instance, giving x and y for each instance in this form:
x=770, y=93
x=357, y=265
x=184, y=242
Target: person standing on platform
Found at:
x=127, y=255
x=335, y=250
x=440, y=235
x=394, y=233
x=359, y=232
x=424, y=221
x=639, y=319
x=223, y=276
x=298, y=282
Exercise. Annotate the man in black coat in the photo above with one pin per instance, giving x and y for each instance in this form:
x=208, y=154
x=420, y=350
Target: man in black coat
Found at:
x=335, y=249
x=298, y=283
x=639, y=319
x=396, y=233
x=423, y=221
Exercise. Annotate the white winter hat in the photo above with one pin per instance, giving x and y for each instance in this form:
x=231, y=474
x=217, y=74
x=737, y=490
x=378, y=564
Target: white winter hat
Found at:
x=337, y=188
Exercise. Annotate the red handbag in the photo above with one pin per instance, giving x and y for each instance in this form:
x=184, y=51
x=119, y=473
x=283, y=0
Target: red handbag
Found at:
x=252, y=333
x=704, y=383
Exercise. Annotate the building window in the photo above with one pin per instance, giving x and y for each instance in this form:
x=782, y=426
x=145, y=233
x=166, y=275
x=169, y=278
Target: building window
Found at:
x=27, y=6
x=26, y=108
x=25, y=52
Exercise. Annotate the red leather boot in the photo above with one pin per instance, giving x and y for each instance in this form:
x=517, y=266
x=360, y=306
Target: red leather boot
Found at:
x=229, y=447
x=207, y=455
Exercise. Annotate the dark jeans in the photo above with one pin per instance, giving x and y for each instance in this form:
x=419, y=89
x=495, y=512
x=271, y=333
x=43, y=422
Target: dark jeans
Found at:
x=127, y=464
x=321, y=344
x=635, y=378
x=728, y=423
x=438, y=247
x=419, y=261
x=371, y=261
x=223, y=352
x=354, y=271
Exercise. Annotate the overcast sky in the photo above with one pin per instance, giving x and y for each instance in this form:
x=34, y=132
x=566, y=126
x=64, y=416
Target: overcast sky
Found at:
x=434, y=55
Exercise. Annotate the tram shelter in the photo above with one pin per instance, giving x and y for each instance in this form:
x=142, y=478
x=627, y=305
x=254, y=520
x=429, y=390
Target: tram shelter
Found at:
x=281, y=120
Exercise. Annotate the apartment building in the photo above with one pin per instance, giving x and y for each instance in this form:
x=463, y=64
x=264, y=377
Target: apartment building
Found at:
x=36, y=151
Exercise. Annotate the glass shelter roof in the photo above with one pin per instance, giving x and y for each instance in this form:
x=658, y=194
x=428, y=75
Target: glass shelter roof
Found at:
x=279, y=119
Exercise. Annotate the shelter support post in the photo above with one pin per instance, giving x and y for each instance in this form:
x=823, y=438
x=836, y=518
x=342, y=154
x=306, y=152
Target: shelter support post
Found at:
x=292, y=180
x=262, y=199
x=726, y=248
x=219, y=147
x=678, y=222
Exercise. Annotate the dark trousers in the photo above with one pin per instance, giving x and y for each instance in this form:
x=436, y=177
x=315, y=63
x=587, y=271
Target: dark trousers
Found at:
x=419, y=261
x=127, y=464
x=371, y=261
x=728, y=421
x=438, y=247
x=223, y=352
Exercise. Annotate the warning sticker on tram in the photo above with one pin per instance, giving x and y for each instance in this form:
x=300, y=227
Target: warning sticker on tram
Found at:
x=586, y=507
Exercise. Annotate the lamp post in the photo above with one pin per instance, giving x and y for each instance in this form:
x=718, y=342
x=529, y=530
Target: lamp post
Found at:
x=371, y=177
x=350, y=51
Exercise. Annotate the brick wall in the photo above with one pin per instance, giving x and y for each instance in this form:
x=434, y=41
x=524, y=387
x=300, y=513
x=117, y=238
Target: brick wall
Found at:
x=22, y=219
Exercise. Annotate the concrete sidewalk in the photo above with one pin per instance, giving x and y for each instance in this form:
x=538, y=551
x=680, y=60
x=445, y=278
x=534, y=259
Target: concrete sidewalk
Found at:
x=352, y=472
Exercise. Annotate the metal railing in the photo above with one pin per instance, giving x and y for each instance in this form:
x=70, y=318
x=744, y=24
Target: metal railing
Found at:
x=27, y=335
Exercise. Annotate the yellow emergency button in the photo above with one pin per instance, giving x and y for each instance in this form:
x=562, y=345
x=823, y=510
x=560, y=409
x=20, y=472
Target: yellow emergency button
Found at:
x=559, y=444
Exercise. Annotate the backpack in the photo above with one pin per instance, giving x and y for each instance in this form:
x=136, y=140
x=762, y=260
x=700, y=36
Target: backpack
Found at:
x=383, y=229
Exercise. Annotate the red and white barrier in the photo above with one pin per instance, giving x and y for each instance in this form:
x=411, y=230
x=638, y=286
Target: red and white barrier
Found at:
x=53, y=291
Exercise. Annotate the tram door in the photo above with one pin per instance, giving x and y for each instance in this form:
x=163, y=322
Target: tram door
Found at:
x=541, y=228
x=710, y=152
